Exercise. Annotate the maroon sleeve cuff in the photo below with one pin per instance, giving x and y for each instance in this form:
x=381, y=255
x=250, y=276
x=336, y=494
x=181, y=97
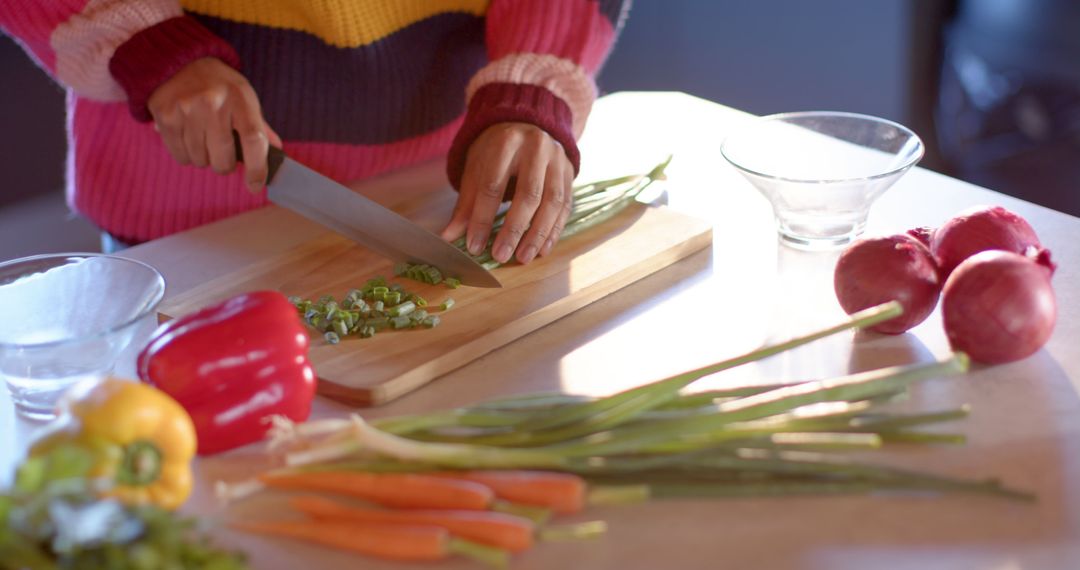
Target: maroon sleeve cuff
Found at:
x=512, y=102
x=152, y=56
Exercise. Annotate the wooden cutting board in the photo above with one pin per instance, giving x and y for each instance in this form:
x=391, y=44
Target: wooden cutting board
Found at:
x=586, y=267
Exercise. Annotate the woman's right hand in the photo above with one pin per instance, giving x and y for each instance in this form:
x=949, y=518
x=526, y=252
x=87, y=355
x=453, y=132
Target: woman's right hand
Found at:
x=198, y=108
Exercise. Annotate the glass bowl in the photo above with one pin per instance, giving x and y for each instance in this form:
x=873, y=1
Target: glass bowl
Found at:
x=822, y=170
x=67, y=317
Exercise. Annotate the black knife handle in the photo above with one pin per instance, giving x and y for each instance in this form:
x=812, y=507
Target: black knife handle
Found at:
x=274, y=156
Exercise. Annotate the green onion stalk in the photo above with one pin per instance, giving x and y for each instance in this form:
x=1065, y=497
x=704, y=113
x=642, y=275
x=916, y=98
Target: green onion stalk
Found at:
x=658, y=441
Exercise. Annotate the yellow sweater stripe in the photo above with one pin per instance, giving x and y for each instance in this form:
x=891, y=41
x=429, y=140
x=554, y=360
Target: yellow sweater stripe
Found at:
x=341, y=23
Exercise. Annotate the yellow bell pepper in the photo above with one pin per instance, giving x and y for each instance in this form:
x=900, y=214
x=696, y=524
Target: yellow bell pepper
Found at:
x=142, y=440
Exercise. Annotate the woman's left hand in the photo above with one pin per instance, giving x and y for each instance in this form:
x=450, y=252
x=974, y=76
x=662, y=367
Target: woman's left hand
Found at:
x=523, y=160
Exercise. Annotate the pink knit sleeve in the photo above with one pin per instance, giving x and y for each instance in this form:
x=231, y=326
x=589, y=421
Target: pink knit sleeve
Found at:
x=544, y=56
x=75, y=41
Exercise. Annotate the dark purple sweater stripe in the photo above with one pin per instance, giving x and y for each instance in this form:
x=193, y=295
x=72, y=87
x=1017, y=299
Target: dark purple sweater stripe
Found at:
x=403, y=85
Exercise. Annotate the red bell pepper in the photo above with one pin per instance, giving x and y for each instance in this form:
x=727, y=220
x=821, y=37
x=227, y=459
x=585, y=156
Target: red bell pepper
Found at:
x=232, y=365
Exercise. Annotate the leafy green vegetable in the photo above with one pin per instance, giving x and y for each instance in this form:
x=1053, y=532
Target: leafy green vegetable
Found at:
x=52, y=520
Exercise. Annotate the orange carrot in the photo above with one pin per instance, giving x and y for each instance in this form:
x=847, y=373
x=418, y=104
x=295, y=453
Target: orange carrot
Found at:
x=485, y=527
x=392, y=542
x=396, y=542
x=560, y=492
x=403, y=490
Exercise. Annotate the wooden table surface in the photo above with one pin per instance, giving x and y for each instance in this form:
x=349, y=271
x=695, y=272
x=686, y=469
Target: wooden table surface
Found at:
x=1023, y=428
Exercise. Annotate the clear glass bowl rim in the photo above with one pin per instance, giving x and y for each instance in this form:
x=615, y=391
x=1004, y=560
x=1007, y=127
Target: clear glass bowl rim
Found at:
x=802, y=114
x=150, y=307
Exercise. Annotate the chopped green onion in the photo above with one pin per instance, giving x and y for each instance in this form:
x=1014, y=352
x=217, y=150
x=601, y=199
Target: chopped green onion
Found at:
x=402, y=309
x=332, y=337
x=378, y=323
x=341, y=328
x=449, y=302
x=432, y=321
x=402, y=322
x=452, y=282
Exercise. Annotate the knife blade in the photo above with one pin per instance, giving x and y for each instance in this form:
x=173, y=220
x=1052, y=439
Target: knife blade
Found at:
x=318, y=198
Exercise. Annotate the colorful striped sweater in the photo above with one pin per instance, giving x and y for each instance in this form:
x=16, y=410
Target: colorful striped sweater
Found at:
x=355, y=88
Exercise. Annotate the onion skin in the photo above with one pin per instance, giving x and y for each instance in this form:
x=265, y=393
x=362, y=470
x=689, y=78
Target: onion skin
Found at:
x=979, y=229
x=999, y=307
x=925, y=234
x=877, y=270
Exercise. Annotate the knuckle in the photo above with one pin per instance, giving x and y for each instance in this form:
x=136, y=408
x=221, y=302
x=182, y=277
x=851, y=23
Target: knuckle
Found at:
x=492, y=190
x=253, y=137
x=533, y=193
x=167, y=118
x=536, y=137
x=556, y=201
x=190, y=103
x=515, y=231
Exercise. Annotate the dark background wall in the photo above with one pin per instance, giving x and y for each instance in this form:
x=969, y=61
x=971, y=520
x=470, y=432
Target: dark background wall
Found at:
x=772, y=56
x=31, y=128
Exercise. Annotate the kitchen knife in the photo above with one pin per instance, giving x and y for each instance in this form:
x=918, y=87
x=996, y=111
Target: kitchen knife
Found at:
x=355, y=216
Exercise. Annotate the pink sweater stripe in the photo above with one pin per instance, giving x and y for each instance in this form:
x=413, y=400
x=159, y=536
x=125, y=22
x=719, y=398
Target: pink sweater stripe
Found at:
x=86, y=42
x=570, y=29
x=32, y=22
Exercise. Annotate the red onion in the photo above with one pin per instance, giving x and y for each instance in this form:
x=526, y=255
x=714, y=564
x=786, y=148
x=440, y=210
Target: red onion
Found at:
x=877, y=270
x=979, y=229
x=998, y=306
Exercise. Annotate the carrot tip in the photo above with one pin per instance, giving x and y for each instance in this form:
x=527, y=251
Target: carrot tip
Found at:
x=571, y=532
x=614, y=495
x=488, y=555
x=538, y=515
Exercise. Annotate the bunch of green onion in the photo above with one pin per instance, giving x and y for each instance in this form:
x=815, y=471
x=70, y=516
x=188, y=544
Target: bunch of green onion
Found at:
x=759, y=440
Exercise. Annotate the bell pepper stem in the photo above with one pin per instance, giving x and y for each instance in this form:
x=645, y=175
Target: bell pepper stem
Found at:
x=141, y=464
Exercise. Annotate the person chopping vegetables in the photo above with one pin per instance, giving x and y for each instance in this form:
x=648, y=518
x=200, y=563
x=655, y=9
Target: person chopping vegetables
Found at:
x=353, y=89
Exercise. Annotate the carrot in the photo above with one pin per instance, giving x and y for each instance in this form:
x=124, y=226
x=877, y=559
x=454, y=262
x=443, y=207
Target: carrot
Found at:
x=560, y=492
x=391, y=542
x=383, y=541
x=403, y=490
x=485, y=527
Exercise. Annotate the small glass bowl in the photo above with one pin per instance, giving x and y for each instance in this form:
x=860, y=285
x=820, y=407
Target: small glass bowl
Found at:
x=822, y=170
x=67, y=317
